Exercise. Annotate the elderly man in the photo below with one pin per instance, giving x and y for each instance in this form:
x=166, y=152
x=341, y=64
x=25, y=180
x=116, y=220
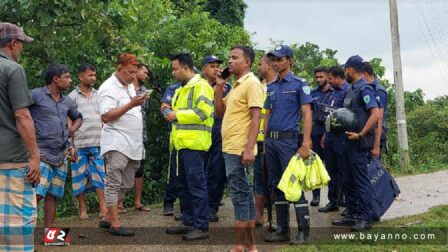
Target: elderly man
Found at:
x=19, y=154
x=121, y=138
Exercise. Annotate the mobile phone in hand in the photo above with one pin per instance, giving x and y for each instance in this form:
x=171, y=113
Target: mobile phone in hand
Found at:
x=225, y=73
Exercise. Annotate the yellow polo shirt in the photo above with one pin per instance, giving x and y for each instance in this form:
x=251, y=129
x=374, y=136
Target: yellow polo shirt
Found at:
x=246, y=93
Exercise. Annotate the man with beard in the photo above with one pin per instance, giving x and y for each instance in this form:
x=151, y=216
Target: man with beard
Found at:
x=319, y=94
x=288, y=100
x=215, y=168
x=333, y=144
x=88, y=170
x=361, y=99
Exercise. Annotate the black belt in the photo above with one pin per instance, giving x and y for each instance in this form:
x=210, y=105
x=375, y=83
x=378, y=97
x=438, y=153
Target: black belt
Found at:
x=282, y=135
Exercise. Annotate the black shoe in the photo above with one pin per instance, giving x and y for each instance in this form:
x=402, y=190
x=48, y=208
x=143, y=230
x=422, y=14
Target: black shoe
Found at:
x=342, y=202
x=178, y=217
x=277, y=236
x=195, y=234
x=345, y=212
x=181, y=229
x=103, y=224
x=212, y=217
x=361, y=225
x=315, y=201
x=121, y=231
x=345, y=221
x=376, y=219
x=168, y=210
x=330, y=207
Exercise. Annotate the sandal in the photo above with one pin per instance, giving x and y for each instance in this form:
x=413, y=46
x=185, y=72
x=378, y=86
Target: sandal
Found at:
x=121, y=231
x=143, y=209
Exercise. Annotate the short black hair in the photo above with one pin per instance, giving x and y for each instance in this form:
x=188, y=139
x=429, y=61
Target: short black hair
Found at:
x=248, y=52
x=320, y=69
x=54, y=69
x=368, y=68
x=337, y=71
x=184, y=59
x=140, y=65
x=86, y=66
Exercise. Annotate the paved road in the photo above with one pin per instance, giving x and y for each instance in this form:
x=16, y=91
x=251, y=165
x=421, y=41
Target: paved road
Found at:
x=419, y=193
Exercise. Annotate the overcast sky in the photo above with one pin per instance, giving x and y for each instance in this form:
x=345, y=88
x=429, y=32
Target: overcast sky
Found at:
x=362, y=27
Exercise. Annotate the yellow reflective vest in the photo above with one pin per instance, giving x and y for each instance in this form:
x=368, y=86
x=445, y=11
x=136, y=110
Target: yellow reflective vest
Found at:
x=193, y=104
x=260, y=137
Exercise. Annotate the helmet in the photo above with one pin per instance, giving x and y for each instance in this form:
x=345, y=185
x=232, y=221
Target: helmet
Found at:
x=340, y=121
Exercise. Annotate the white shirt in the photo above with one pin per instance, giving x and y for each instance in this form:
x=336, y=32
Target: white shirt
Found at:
x=125, y=133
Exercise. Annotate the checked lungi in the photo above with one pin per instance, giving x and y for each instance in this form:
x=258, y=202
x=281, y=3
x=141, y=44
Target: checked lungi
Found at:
x=18, y=212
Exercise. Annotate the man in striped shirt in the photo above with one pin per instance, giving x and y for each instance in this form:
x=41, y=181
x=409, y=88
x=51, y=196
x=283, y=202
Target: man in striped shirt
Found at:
x=88, y=171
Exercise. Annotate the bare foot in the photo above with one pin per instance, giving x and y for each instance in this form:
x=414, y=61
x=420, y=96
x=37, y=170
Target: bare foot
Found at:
x=84, y=216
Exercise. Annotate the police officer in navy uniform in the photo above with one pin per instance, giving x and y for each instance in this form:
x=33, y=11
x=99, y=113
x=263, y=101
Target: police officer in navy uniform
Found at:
x=381, y=97
x=288, y=99
x=361, y=99
x=215, y=168
x=334, y=144
x=319, y=93
x=171, y=191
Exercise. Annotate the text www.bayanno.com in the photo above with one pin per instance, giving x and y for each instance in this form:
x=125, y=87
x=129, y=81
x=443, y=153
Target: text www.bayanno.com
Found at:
x=384, y=237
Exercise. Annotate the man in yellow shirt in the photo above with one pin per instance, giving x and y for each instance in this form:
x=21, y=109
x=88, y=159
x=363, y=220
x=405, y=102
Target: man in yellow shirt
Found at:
x=241, y=109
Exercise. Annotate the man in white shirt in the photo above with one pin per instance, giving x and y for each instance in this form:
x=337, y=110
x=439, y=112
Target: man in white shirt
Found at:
x=121, y=138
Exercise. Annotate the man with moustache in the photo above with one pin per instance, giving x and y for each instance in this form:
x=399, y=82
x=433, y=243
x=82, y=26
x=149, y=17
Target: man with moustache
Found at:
x=50, y=110
x=121, y=138
x=322, y=90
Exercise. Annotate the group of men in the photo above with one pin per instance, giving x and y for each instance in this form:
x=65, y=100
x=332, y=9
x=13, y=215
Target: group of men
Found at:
x=218, y=134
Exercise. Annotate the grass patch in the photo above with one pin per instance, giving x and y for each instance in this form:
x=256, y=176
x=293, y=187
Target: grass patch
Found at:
x=433, y=221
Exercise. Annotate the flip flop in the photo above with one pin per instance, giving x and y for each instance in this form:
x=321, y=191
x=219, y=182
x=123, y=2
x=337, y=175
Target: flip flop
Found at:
x=121, y=210
x=143, y=209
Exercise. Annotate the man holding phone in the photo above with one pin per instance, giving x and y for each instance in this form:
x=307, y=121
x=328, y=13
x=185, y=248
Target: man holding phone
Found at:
x=241, y=109
x=215, y=168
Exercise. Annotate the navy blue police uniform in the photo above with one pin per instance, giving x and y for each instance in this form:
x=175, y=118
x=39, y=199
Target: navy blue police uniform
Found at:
x=381, y=97
x=318, y=131
x=215, y=167
x=171, y=190
x=334, y=148
x=361, y=98
x=284, y=100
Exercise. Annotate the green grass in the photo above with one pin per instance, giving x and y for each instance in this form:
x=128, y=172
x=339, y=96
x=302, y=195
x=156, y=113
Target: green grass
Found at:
x=436, y=217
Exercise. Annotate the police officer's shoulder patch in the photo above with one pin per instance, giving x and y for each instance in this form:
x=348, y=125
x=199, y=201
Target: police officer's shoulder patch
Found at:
x=306, y=90
x=366, y=98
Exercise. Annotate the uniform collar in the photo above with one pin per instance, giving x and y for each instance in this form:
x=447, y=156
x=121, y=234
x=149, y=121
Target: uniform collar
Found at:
x=345, y=86
x=359, y=83
x=375, y=82
x=289, y=77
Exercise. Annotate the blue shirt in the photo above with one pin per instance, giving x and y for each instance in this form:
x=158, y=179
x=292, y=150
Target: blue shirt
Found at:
x=319, y=96
x=227, y=87
x=50, y=121
x=336, y=99
x=285, y=98
x=381, y=97
x=367, y=95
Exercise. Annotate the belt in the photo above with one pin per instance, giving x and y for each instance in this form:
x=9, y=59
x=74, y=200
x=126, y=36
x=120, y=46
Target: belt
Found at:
x=282, y=135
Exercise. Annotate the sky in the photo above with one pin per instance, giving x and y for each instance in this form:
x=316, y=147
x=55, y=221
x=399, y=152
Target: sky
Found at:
x=362, y=27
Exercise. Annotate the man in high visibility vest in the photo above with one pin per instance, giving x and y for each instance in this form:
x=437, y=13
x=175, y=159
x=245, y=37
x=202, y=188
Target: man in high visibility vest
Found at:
x=192, y=119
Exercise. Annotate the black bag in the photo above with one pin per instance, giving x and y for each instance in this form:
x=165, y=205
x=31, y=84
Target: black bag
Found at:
x=385, y=189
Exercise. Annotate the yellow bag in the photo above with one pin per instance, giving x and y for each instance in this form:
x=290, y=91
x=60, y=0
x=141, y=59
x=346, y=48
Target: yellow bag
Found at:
x=292, y=178
x=316, y=176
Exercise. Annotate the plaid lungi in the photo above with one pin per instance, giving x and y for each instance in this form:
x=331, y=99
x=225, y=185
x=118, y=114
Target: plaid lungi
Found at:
x=88, y=168
x=18, y=212
x=52, y=180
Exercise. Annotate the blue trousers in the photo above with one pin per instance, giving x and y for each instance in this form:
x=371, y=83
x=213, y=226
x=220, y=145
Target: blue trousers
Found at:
x=334, y=162
x=278, y=154
x=193, y=188
x=359, y=191
x=171, y=189
x=215, y=169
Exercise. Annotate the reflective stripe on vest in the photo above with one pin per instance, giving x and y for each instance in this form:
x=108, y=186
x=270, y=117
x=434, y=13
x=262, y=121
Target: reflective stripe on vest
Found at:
x=193, y=127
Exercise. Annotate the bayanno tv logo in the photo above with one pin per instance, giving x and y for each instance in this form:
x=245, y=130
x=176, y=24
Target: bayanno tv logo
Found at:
x=57, y=237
